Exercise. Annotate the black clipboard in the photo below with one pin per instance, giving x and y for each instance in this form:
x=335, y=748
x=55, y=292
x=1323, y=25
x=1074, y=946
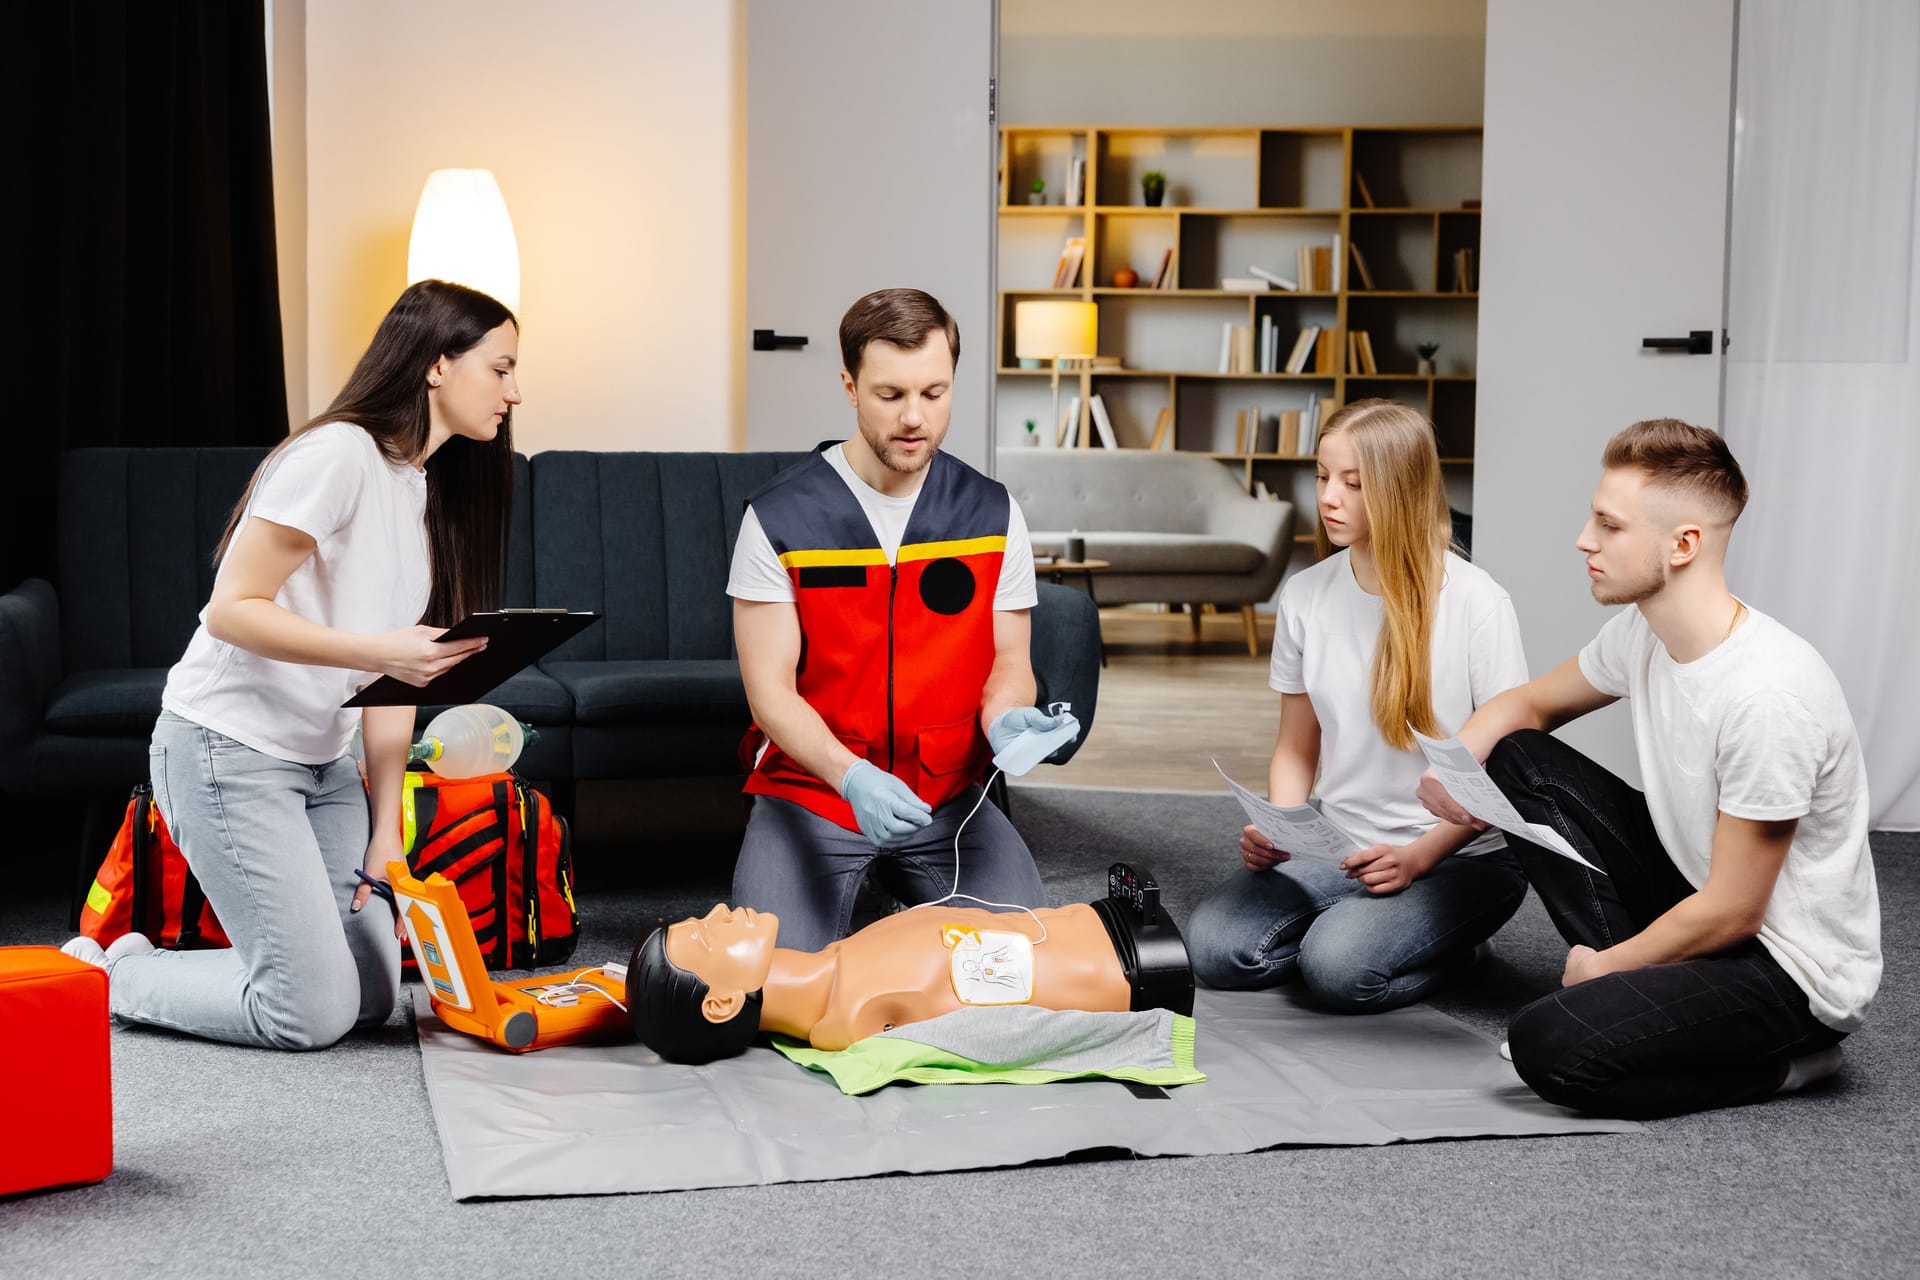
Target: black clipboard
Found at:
x=516, y=638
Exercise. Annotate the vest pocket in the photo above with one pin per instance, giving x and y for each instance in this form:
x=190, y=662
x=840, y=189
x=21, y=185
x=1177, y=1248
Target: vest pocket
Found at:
x=947, y=748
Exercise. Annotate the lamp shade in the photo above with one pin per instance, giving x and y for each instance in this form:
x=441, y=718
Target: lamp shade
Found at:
x=1046, y=329
x=462, y=234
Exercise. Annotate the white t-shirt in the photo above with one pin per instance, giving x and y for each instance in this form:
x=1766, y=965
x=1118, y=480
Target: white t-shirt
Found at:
x=371, y=572
x=758, y=575
x=1759, y=729
x=1323, y=646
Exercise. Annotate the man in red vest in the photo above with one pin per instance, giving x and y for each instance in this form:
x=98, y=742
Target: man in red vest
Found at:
x=881, y=595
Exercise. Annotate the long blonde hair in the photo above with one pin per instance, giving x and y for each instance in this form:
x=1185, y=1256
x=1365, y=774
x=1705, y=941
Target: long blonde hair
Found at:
x=1406, y=505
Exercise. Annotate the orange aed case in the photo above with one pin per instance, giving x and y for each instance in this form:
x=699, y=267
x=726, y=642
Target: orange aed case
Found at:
x=512, y=1014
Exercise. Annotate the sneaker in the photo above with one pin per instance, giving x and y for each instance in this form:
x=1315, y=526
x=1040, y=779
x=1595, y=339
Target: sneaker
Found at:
x=1506, y=1051
x=85, y=948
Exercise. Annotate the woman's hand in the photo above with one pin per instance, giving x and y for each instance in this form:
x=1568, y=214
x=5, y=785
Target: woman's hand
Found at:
x=416, y=655
x=382, y=849
x=1258, y=852
x=1386, y=868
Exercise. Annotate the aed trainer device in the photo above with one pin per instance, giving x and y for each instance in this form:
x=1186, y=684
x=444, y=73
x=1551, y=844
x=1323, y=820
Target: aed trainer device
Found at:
x=523, y=1014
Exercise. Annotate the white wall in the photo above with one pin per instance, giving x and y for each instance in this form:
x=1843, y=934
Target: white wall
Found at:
x=287, y=96
x=615, y=130
x=1232, y=62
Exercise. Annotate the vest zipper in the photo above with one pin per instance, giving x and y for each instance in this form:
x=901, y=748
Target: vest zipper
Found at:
x=893, y=585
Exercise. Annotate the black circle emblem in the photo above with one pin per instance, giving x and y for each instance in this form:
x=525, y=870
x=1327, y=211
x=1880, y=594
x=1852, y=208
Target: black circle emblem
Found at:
x=946, y=586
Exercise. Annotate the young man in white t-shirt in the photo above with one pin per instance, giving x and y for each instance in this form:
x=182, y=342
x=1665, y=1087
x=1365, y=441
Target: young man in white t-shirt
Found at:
x=1735, y=940
x=881, y=596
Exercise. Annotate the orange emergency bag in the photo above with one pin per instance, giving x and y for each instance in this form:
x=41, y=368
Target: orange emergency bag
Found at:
x=145, y=886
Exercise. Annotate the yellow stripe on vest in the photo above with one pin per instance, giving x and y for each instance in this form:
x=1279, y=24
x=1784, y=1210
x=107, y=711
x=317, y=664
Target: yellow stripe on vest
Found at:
x=958, y=547
x=823, y=559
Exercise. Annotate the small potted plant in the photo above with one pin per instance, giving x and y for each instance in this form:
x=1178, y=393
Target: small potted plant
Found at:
x=1153, y=186
x=1426, y=350
x=1037, y=191
x=1033, y=433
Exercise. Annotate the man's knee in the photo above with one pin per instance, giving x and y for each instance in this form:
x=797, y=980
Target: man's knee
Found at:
x=1547, y=1043
x=1515, y=759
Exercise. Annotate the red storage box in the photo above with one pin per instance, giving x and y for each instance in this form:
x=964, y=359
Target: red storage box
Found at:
x=56, y=1085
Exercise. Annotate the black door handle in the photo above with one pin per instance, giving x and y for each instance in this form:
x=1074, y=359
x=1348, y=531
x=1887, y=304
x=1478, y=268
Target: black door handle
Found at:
x=1699, y=342
x=768, y=340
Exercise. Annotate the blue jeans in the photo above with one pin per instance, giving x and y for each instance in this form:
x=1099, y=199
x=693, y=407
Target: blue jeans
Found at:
x=1354, y=951
x=807, y=870
x=275, y=846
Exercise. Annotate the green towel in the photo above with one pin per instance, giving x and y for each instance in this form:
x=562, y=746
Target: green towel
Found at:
x=1013, y=1044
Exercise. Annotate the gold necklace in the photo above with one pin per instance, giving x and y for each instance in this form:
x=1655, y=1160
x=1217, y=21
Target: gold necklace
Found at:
x=1739, y=607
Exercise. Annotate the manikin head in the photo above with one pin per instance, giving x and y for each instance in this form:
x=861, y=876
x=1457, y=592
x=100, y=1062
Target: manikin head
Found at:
x=899, y=348
x=693, y=988
x=1666, y=504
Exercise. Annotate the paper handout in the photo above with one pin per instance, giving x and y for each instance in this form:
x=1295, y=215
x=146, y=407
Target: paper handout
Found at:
x=1300, y=829
x=1480, y=796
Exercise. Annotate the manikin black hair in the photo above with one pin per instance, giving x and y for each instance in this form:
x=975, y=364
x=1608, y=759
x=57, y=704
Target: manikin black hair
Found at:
x=663, y=1001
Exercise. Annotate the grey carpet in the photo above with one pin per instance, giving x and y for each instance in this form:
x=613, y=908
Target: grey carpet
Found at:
x=238, y=1162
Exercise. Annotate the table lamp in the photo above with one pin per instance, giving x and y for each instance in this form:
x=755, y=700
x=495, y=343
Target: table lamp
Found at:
x=463, y=234
x=1048, y=329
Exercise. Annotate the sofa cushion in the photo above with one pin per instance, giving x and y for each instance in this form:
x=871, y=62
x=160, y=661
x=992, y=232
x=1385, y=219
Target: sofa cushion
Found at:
x=107, y=703
x=1143, y=552
x=530, y=695
x=653, y=691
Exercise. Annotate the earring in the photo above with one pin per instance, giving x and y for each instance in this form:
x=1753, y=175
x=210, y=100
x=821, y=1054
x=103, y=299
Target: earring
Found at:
x=433, y=382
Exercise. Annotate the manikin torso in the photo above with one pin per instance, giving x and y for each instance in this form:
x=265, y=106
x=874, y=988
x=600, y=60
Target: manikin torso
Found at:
x=916, y=964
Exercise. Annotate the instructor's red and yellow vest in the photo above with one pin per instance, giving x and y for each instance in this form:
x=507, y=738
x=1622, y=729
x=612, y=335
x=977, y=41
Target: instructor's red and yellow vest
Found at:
x=895, y=657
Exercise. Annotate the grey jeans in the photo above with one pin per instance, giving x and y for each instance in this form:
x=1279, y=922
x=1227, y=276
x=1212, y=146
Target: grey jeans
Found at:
x=807, y=870
x=275, y=845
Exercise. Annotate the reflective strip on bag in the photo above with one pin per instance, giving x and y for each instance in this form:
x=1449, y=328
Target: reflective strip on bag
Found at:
x=98, y=899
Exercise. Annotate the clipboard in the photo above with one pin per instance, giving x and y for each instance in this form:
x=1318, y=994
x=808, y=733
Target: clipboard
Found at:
x=516, y=638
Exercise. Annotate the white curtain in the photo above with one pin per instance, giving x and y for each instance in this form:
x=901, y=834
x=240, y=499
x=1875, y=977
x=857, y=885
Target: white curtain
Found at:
x=1823, y=362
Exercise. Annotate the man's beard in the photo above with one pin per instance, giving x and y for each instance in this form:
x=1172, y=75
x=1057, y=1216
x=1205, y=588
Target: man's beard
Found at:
x=894, y=459
x=1614, y=592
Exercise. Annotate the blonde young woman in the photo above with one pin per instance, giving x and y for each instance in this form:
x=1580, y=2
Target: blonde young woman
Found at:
x=1389, y=629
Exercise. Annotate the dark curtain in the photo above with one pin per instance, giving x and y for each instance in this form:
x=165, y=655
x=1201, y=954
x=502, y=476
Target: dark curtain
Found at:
x=140, y=298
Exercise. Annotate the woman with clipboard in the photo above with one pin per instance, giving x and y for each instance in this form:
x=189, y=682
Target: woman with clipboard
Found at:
x=361, y=537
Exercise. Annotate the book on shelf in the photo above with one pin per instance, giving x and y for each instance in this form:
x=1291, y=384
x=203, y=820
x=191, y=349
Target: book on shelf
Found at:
x=1243, y=348
x=1076, y=181
x=1240, y=431
x=1266, y=432
x=1310, y=426
x=1360, y=184
x=1360, y=271
x=1337, y=261
x=1226, y=347
x=1366, y=353
x=1463, y=280
x=1302, y=347
x=1101, y=422
x=1163, y=277
x=1069, y=426
x=1244, y=284
x=1273, y=278
x=1323, y=352
x=1066, y=273
x=1287, y=441
x=1163, y=429
x=1303, y=266
x=1323, y=268
x=1266, y=345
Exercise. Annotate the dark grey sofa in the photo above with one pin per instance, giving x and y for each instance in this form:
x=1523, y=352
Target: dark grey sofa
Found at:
x=651, y=690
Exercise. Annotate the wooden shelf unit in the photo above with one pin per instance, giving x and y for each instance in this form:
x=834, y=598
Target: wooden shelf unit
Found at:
x=1236, y=197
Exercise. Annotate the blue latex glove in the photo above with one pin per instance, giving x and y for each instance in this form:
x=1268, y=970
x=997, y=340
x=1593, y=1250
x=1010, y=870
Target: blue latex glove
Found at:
x=1011, y=723
x=885, y=807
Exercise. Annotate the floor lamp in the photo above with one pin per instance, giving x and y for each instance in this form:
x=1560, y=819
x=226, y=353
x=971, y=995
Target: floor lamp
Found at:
x=1055, y=330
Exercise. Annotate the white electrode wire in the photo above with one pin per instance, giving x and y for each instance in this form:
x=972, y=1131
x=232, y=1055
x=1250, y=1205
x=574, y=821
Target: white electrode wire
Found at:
x=1010, y=906
x=575, y=981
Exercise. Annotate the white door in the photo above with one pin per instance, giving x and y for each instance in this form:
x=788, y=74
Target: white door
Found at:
x=1608, y=130
x=870, y=165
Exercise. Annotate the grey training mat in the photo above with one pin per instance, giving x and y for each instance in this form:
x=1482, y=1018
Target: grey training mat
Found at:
x=594, y=1119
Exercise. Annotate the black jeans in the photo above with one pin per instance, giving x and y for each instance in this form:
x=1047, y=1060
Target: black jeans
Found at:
x=1669, y=1038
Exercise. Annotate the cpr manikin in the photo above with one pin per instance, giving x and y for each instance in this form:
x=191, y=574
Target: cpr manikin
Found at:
x=702, y=988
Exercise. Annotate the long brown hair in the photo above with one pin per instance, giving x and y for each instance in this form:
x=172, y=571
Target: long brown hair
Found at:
x=469, y=482
x=1406, y=504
